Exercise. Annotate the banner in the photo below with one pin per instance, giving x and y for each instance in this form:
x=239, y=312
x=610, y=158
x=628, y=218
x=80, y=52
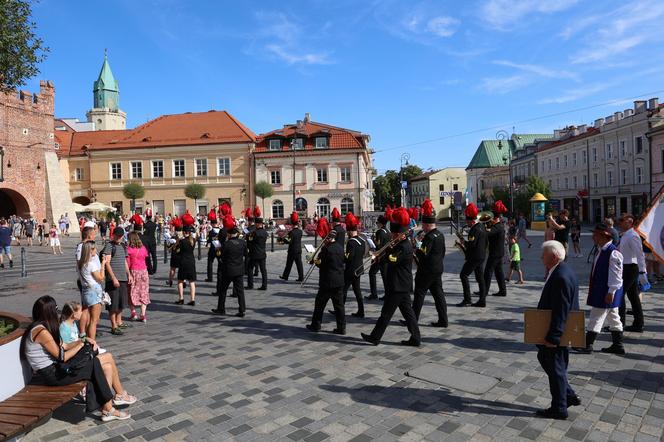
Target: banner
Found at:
x=651, y=226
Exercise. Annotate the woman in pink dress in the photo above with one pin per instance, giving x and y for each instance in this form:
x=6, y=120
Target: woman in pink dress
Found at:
x=139, y=291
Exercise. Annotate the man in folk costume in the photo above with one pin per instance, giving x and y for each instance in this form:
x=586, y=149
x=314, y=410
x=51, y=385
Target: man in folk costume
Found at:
x=399, y=281
x=605, y=292
x=336, y=225
x=150, y=241
x=475, y=253
x=294, y=241
x=231, y=269
x=330, y=262
x=256, y=241
x=429, y=276
x=215, y=238
x=380, y=238
x=496, y=241
x=353, y=260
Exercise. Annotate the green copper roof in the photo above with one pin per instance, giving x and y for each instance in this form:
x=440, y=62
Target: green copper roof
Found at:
x=489, y=155
x=106, y=88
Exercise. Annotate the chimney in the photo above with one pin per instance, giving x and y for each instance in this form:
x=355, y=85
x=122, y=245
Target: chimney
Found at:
x=628, y=112
x=299, y=124
x=617, y=116
x=583, y=129
x=307, y=117
x=653, y=103
x=639, y=106
x=599, y=122
x=609, y=119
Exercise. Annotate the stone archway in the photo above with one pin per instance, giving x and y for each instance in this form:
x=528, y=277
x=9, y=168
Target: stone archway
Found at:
x=13, y=203
x=82, y=200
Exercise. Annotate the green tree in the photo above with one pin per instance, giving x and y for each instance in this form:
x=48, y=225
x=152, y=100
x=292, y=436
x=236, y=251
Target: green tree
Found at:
x=502, y=194
x=133, y=191
x=263, y=190
x=387, y=187
x=20, y=48
x=195, y=192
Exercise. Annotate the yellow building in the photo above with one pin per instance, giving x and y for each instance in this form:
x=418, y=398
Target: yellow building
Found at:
x=439, y=186
x=164, y=155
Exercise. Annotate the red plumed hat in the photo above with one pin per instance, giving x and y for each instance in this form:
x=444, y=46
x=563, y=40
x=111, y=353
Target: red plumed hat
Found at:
x=225, y=209
x=322, y=227
x=294, y=218
x=400, y=220
x=248, y=213
x=428, y=216
x=229, y=222
x=257, y=212
x=351, y=221
x=414, y=213
x=136, y=219
x=471, y=211
x=499, y=208
x=388, y=212
x=176, y=223
x=187, y=219
x=148, y=212
x=336, y=216
x=212, y=216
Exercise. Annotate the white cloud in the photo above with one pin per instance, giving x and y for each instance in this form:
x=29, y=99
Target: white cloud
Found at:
x=503, y=14
x=575, y=94
x=603, y=49
x=424, y=22
x=291, y=58
x=503, y=85
x=540, y=71
x=443, y=26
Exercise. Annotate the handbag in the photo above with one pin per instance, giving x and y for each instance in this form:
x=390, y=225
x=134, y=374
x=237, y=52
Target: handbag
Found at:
x=76, y=362
x=105, y=298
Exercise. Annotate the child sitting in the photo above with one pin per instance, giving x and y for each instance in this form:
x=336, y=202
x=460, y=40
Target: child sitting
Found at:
x=69, y=317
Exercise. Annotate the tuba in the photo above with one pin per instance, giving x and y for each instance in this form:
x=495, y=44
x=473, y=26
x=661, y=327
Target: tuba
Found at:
x=485, y=216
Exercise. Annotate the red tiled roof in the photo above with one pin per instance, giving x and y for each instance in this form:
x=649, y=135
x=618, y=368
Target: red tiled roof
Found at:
x=339, y=138
x=588, y=133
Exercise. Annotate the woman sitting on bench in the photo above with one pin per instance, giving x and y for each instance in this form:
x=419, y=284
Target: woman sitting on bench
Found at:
x=55, y=364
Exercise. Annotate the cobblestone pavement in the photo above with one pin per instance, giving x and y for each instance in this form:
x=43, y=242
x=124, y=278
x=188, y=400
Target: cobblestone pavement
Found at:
x=264, y=377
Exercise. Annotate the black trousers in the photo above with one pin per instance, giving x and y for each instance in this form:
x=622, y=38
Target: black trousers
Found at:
x=223, y=282
x=631, y=287
x=425, y=282
x=152, y=258
x=324, y=295
x=392, y=302
x=260, y=263
x=375, y=268
x=352, y=280
x=468, y=268
x=554, y=361
x=494, y=265
x=290, y=259
x=212, y=256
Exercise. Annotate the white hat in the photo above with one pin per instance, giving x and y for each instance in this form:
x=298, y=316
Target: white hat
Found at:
x=89, y=224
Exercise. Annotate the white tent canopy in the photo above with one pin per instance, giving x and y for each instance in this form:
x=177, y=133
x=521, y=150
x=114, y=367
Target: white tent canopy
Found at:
x=95, y=207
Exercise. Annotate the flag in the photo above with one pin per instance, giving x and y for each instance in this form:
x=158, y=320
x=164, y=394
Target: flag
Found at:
x=651, y=226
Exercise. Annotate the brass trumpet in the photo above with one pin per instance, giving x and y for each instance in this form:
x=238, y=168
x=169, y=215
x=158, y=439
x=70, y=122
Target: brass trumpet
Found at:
x=312, y=259
x=378, y=254
x=485, y=216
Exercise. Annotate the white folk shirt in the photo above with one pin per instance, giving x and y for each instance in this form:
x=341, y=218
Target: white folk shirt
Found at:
x=615, y=268
x=632, y=250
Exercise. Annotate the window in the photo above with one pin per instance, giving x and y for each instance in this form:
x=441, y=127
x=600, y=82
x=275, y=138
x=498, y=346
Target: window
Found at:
x=623, y=149
x=623, y=176
x=585, y=181
x=201, y=167
x=345, y=174
x=441, y=187
x=321, y=175
x=594, y=154
x=274, y=145
x=542, y=165
x=585, y=155
x=574, y=158
x=116, y=171
x=78, y=174
x=566, y=183
x=595, y=180
x=455, y=187
x=299, y=143
x=557, y=183
x=549, y=163
x=321, y=142
x=223, y=166
x=639, y=175
x=275, y=177
x=609, y=178
x=347, y=205
x=178, y=168
x=609, y=151
x=136, y=169
x=565, y=160
x=157, y=169
x=575, y=182
x=277, y=209
x=323, y=207
x=557, y=163
x=638, y=142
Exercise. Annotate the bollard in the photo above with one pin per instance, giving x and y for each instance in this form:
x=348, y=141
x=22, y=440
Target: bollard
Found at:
x=199, y=248
x=165, y=253
x=24, y=269
x=272, y=241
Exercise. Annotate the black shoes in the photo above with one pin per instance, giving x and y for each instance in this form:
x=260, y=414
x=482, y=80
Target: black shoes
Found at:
x=369, y=339
x=337, y=331
x=249, y=287
x=549, y=413
x=218, y=312
x=464, y=304
x=439, y=324
x=498, y=294
x=11, y=264
x=573, y=401
x=358, y=314
x=240, y=314
x=371, y=298
x=479, y=304
x=299, y=280
x=192, y=303
x=179, y=302
x=208, y=280
x=283, y=277
x=476, y=293
x=634, y=329
x=264, y=287
x=411, y=343
x=311, y=328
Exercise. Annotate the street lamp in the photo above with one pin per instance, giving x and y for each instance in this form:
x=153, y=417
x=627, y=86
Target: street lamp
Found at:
x=501, y=136
x=404, y=159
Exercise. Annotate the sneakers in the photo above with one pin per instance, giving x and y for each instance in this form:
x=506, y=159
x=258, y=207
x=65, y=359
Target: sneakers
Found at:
x=143, y=318
x=124, y=399
x=117, y=331
x=133, y=316
x=113, y=414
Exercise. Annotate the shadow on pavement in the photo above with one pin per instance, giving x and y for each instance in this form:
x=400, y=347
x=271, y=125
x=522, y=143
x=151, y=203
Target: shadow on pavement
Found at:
x=632, y=379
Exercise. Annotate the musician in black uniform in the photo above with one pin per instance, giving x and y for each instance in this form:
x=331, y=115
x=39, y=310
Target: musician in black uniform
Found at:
x=429, y=276
x=496, y=241
x=475, y=251
x=330, y=261
x=381, y=238
x=231, y=269
x=353, y=263
x=215, y=239
x=294, y=241
x=149, y=240
x=251, y=227
x=399, y=281
x=336, y=226
x=256, y=241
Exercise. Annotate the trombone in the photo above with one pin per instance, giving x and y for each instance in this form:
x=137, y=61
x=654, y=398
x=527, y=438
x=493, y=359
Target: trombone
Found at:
x=378, y=254
x=312, y=259
x=460, y=243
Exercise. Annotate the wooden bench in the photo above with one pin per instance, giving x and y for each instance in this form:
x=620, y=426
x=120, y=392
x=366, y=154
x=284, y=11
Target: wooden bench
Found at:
x=31, y=405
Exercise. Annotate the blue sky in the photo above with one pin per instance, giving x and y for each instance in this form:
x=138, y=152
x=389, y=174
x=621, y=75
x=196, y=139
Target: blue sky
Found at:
x=402, y=71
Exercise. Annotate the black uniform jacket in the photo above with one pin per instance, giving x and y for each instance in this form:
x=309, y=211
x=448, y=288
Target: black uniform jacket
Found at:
x=341, y=234
x=476, y=243
x=294, y=241
x=256, y=241
x=331, y=266
x=354, y=255
x=233, y=252
x=150, y=229
x=560, y=295
x=216, y=234
x=399, y=278
x=496, y=240
x=381, y=237
x=431, y=253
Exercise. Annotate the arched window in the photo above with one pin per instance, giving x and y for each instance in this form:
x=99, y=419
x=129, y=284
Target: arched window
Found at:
x=277, y=209
x=347, y=206
x=323, y=207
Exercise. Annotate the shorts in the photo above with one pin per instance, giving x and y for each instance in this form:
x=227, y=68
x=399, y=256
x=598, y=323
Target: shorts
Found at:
x=119, y=296
x=522, y=234
x=28, y=235
x=91, y=296
x=515, y=265
x=7, y=250
x=55, y=242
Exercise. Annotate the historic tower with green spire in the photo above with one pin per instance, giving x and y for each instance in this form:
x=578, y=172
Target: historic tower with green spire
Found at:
x=106, y=113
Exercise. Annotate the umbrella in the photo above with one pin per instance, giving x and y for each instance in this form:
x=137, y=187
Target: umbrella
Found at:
x=99, y=207
x=79, y=207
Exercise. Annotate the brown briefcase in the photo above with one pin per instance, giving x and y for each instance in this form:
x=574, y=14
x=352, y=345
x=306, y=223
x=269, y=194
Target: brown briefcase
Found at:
x=536, y=326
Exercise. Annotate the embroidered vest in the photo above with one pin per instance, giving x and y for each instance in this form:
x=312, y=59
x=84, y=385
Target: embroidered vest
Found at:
x=599, y=282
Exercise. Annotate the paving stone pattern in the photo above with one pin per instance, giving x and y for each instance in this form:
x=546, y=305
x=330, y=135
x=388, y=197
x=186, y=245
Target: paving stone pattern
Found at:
x=265, y=377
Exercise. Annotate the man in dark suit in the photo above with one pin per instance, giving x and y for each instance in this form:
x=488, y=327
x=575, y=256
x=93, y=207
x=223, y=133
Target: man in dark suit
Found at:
x=330, y=261
x=560, y=295
x=150, y=241
x=294, y=254
x=494, y=263
x=257, y=254
x=231, y=268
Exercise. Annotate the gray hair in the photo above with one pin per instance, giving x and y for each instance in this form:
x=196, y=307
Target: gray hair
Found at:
x=556, y=248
